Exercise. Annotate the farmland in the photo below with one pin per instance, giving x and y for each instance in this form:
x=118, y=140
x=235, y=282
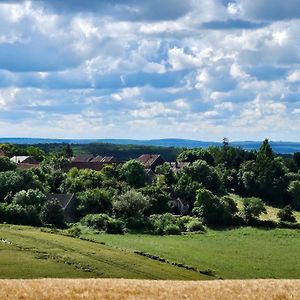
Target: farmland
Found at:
x=242, y=253
x=27, y=252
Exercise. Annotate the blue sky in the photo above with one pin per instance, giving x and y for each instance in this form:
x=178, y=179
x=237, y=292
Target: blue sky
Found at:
x=150, y=69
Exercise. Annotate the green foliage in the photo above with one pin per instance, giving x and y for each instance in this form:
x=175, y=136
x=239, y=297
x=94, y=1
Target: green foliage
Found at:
x=36, y=152
x=159, y=199
x=294, y=190
x=172, y=229
x=81, y=180
x=133, y=172
x=212, y=209
x=52, y=213
x=96, y=221
x=192, y=155
x=195, y=225
x=167, y=172
x=30, y=197
x=74, y=231
x=115, y=226
x=7, y=165
x=94, y=201
x=253, y=208
x=186, y=187
x=207, y=176
x=286, y=214
x=296, y=158
x=131, y=204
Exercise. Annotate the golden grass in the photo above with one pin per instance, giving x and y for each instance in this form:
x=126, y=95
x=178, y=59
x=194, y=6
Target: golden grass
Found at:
x=68, y=289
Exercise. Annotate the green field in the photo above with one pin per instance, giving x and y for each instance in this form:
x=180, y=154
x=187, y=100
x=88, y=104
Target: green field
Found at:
x=27, y=252
x=232, y=254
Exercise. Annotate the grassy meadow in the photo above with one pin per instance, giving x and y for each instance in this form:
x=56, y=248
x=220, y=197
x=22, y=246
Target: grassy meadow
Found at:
x=241, y=253
x=27, y=252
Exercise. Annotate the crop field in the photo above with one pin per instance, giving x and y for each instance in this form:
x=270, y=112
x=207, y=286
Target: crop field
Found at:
x=72, y=289
x=27, y=252
x=241, y=253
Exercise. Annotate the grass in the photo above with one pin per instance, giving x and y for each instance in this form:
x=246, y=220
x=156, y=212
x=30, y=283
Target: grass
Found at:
x=27, y=252
x=242, y=253
x=148, y=289
x=271, y=211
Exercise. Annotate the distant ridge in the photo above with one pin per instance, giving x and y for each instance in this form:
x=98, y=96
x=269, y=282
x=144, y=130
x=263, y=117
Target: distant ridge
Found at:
x=278, y=147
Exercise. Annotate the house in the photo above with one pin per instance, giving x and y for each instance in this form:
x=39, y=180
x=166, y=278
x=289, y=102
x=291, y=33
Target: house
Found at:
x=96, y=166
x=150, y=175
x=23, y=166
x=151, y=161
x=83, y=158
x=178, y=166
x=24, y=160
x=68, y=203
x=105, y=159
x=179, y=206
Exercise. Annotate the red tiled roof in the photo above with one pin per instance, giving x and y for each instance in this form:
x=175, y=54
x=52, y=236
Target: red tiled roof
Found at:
x=149, y=159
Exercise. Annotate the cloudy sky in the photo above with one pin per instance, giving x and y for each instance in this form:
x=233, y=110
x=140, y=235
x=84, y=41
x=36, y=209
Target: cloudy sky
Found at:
x=200, y=69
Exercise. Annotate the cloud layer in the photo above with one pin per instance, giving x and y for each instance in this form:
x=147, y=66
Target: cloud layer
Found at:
x=150, y=69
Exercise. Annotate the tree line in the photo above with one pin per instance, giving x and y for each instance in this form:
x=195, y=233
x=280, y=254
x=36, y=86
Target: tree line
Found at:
x=120, y=197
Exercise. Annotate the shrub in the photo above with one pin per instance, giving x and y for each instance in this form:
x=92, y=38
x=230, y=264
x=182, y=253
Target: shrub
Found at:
x=211, y=209
x=172, y=229
x=253, y=208
x=94, y=201
x=294, y=190
x=195, y=225
x=97, y=221
x=286, y=215
x=52, y=213
x=115, y=226
x=74, y=231
x=130, y=204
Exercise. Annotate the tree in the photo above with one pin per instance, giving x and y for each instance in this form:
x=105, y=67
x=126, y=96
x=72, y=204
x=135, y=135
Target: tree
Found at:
x=159, y=200
x=30, y=197
x=94, y=201
x=212, y=209
x=253, y=208
x=67, y=151
x=286, y=215
x=207, y=176
x=52, y=213
x=294, y=190
x=7, y=165
x=35, y=152
x=191, y=155
x=296, y=158
x=167, y=172
x=186, y=188
x=133, y=172
x=132, y=204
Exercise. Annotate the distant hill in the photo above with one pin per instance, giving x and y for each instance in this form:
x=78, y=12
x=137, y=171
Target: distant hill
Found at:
x=278, y=147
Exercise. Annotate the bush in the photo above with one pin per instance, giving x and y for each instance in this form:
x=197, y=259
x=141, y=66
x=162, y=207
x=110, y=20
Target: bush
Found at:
x=115, y=226
x=74, y=231
x=195, y=225
x=172, y=229
x=97, y=221
x=286, y=215
x=52, y=213
x=253, y=208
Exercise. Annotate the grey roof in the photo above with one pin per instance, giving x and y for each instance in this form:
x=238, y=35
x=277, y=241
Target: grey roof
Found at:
x=24, y=159
x=83, y=158
x=64, y=199
x=104, y=159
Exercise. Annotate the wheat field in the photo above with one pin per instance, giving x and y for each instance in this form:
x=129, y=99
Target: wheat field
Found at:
x=67, y=289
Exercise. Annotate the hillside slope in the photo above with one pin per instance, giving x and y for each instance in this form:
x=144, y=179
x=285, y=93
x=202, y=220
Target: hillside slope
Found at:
x=27, y=252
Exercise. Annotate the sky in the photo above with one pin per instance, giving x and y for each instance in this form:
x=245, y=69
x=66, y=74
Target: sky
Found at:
x=149, y=69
